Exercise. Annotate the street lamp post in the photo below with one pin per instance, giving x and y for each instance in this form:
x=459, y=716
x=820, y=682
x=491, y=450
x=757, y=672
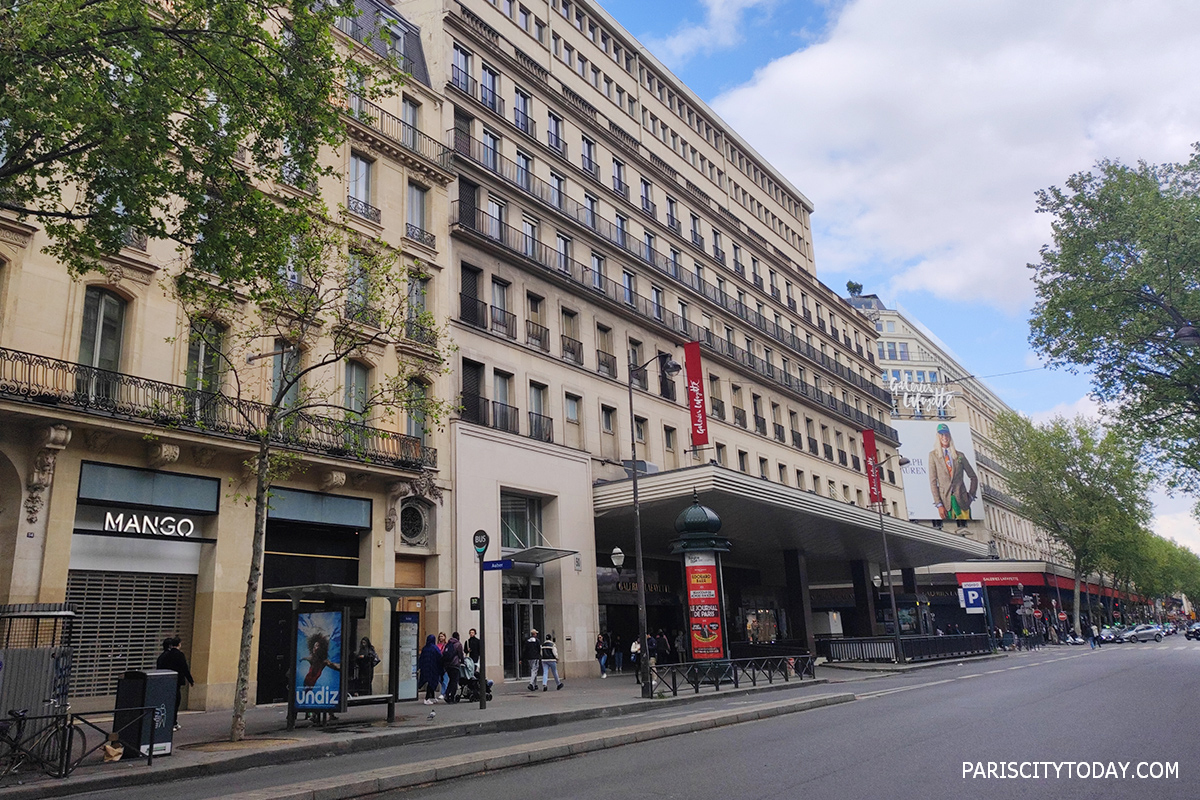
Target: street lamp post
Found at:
x=667, y=366
x=887, y=560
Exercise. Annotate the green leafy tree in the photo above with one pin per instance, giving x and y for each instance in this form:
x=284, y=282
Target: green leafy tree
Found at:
x=1117, y=291
x=129, y=118
x=1080, y=483
x=854, y=288
x=288, y=370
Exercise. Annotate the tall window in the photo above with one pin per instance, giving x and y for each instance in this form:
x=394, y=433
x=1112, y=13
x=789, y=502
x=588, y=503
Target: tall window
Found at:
x=285, y=368
x=491, y=150
x=360, y=178
x=204, y=365
x=520, y=521
x=417, y=394
x=103, y=329
x=355, y=401
x=554, y=132
x=489, y=86
x=417, y=196
x=461, y=71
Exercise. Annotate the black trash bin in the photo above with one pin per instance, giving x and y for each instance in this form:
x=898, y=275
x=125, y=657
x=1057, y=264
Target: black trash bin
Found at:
x=138, y=689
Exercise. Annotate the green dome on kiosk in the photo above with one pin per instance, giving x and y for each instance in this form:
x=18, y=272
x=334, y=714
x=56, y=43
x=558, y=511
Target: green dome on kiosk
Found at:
x=697, y=519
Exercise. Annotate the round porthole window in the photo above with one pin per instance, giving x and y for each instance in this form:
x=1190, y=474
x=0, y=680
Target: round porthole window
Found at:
x=414, y=525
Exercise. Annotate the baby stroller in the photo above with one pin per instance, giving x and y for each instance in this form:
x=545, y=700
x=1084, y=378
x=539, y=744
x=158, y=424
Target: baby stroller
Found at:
x=468, y=683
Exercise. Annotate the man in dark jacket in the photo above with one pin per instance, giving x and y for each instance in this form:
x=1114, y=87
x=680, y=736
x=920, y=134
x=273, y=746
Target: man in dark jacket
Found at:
x=172, y=658
x=474, y=648
x=452, y=659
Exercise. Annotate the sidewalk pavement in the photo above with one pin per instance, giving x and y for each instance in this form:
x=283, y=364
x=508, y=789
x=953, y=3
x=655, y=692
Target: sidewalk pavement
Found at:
x=202, y=746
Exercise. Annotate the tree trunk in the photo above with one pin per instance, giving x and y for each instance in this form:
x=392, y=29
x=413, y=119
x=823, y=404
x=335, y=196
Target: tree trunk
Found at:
x=1075, y=610
x=241, y=694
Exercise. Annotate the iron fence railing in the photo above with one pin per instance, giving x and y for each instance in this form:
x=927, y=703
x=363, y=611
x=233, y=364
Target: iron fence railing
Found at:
x=362, y=208
x=537, y=335
x=49, y=382
x=473, y=311
x=733, y=672
x=606, y=363
x=504, y=322
x=474, y=409
x=916, y=648
x=419, y=234
x=717, y=407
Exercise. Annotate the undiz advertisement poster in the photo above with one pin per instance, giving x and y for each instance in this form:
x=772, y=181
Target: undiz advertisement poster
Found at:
x=319, y=684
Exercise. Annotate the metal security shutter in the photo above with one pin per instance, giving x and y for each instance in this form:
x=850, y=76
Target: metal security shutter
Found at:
x=122, y=619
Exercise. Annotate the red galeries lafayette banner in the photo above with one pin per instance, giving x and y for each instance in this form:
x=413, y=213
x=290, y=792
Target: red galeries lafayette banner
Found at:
x=871, y=461
x=695, y=393
x=704, y=605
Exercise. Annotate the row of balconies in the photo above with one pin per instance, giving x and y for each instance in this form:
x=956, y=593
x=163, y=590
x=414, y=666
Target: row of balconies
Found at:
x=502, y=235
x=553, y=197
x=503, y=417
x=52, y=383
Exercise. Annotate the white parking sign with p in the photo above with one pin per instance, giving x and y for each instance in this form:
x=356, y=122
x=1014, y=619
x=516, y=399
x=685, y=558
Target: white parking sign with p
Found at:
x=971, y=593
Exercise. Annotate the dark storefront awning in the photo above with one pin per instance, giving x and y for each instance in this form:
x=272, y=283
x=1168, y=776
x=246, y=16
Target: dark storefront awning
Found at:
x=762, y=517
x=540, y=555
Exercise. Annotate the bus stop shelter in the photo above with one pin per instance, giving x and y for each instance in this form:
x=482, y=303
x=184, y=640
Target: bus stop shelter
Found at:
x=325, y=691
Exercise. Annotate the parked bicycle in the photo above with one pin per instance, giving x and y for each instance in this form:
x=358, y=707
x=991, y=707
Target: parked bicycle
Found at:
x=50, y=743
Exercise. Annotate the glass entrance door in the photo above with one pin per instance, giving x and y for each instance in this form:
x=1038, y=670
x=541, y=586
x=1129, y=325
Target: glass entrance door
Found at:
x=524, y=610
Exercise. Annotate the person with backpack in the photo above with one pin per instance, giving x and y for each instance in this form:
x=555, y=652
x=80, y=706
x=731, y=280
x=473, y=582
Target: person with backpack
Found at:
x=550, y=663
x=602, y=654
x=452, y=659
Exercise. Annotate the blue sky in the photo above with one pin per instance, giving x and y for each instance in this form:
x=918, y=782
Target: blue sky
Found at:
x=921, y=131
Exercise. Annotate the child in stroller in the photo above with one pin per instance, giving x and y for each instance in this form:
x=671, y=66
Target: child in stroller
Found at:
x=468, y=682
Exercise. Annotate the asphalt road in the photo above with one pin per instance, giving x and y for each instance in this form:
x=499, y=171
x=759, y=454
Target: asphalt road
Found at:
x=908, y=736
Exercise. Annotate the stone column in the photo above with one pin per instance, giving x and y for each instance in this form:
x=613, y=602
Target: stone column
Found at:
x=799, y=599
x=862, y=621
x=30, y=548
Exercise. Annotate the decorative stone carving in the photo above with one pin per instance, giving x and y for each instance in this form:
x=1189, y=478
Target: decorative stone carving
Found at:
x=159, y=454
x=360, y=480
x=41, y=475
x=414, y=524
x=98, y=441
x=15, y=237
x=333, y=480
x=203, y=456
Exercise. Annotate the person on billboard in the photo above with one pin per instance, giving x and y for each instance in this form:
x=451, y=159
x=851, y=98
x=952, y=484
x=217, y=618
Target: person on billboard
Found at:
x=948, y=474
x=318, y=656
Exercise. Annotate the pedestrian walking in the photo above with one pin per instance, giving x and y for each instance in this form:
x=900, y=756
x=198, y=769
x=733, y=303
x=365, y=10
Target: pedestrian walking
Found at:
x=441, y=646
x=531, y=652
x=474, y=646
x=550, y=664
x=635, y=652
x=172, y=658
x=618, y=652
x=602, y=654
x=429, y=669
x=1096, y=642
x=664, y=649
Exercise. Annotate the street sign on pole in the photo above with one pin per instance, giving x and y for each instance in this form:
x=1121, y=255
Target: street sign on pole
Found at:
x=503, y=563
x=972, y=597
x=481, y=541
x=1037, y=612
x=1062, y=617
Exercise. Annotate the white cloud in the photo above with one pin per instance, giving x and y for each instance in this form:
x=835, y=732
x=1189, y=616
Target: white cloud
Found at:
x=922, y=129
x=1173, y=520
x=1085, y=406
x=720, y=30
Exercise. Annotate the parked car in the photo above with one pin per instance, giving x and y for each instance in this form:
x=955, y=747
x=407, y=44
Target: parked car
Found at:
x=1144, y=633
x=1109, y=635
x=1193, y=631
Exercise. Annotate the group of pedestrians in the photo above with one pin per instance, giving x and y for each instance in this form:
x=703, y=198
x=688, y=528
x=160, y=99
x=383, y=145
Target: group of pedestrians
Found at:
x=542, y=656
x=440, y=665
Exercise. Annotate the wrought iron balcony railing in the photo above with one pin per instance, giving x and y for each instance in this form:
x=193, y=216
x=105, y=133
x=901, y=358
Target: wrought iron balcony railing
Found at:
x=462, y=81
x=555, y=142
x=760, y=425
x=813, y=447
x=396, y=129
x=842, y=457
x=739, y=417
x=666, y=390
x=473, y=311
x=828, y=450
x=363, y=209
x=606, y=364
x=419, y=332
x=541, y=427
x=620, y=187
x=537, y=335
x=418, y=234
x=780, y=433
x=51, y=383
x=797, y=440
x=649, y=208
x=474, y=409
x=640, y=377
x=717, y=407
x=504, y=322
x=506, y=417
x=524, y=123
x=491, y=99
x=572, y=350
